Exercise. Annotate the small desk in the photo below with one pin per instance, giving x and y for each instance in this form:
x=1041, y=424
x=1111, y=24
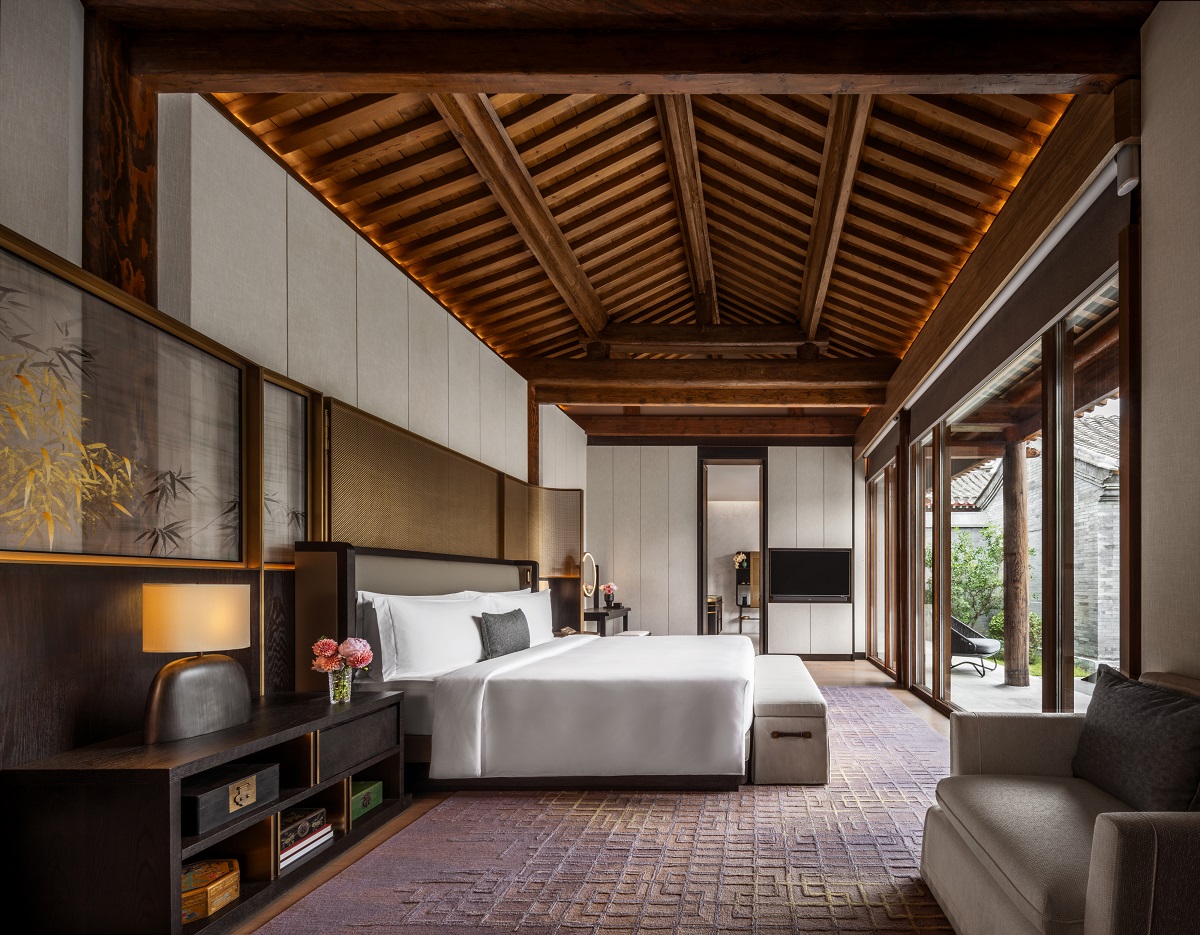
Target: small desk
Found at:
x=714, y=616
x=605, y=621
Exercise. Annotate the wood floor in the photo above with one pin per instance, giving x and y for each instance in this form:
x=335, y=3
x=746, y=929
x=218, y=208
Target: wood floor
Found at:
x=825, y=673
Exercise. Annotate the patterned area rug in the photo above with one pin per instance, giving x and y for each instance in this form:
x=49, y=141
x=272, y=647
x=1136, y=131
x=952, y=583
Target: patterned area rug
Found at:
x=765, y=859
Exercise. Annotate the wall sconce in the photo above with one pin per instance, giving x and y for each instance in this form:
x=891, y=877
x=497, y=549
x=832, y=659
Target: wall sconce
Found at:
x=208, y=691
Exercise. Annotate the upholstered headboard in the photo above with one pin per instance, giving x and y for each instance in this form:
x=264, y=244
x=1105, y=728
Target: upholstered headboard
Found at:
x=329, y=576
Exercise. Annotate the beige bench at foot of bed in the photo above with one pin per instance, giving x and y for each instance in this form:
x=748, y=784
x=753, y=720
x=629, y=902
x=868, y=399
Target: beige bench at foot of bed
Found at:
x=790, y=745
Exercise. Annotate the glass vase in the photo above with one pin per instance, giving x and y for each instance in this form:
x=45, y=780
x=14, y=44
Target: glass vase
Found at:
x=340, y=683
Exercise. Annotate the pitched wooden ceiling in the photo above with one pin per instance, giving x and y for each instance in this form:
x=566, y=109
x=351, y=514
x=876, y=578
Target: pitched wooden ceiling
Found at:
x=687, y=239
x=548, y=222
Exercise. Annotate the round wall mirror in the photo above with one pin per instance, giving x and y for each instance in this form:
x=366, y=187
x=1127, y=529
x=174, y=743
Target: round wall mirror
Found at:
x=589, y=577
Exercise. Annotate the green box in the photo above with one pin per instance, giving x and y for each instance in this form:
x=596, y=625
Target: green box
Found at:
x=364, y=796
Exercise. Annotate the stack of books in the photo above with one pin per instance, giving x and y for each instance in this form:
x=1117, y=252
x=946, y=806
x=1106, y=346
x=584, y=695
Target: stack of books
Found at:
x=301, y=831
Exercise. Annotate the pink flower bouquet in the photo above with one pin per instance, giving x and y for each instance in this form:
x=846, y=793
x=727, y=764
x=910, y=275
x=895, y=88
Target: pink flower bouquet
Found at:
x=340, y=663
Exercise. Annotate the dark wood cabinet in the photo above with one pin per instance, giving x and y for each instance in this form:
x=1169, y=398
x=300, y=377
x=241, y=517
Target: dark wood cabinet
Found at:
x=97, y=838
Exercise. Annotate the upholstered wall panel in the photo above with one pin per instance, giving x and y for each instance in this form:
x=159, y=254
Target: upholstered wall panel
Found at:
x=382, y=337
x=516, y=430
x=860, y=556
x=625, y=560
x=837, y=478
x=1170, y=193
x=428, y=367
x=493, y=411
x=322, y=297
x=683, y=547
x=781, y=498
x=599, y=508
x=464, y=351
x=655, y=584
x=41, y=116
x=563, y=450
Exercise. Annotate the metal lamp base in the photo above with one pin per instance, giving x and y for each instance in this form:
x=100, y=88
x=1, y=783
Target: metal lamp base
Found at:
x=196, y=695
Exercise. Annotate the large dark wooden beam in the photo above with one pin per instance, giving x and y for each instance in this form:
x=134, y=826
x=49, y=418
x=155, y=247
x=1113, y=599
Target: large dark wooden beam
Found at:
x=710, y=396
x=120, y=166
x=1085, y=140
x=718, y=426
x=980, y=59
x=483, y=138
x=785, y=374
x=683, y=165
x=839, y=162
x=762, y=339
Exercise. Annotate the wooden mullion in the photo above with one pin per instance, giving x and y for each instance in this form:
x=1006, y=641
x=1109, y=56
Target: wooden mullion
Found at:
x=1130, y=272
x=905, y=482
x=1057, y=512
x=942, y=610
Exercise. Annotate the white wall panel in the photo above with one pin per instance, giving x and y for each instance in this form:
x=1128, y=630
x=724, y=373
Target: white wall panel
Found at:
x=493, y=428
x=428, y=367
x=599, y=509
x=838, y=479
x=810, y=498
x=41, y=116
x=781, y=498
x=682, y=544
x=464, y=348
x=322, y=297
x=831, y=628
x=382, y=337
x=516, y=394
x=626, y=567
x=789, y=628
x=655, y=580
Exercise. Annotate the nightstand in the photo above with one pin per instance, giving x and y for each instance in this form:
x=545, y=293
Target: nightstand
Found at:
x=605, y=621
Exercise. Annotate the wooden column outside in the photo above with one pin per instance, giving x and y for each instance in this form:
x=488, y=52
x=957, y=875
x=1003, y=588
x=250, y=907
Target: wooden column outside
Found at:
x=1016, y=567
x=120, y=166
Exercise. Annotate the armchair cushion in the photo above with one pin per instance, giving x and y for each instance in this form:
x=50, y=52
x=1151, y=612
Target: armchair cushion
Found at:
x=1034, y=836
x=1141, y=744
x=1013, y=744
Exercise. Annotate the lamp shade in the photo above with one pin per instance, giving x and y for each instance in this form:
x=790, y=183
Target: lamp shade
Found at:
x=195, y=618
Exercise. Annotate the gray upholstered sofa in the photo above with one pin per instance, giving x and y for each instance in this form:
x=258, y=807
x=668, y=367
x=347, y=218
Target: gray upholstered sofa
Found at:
x=1016, y=845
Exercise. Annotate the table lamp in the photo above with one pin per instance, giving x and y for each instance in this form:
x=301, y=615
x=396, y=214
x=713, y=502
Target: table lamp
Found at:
x=208, y=691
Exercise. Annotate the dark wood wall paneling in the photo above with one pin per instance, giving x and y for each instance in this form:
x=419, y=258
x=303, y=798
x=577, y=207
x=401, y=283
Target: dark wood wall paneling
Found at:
x=120, y=166
x=76, y=671
x=279, y=631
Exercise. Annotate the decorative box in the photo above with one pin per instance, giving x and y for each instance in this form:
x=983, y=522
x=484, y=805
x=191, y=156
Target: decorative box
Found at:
x=209, y=885
x=215, y=796
x=364, y=796
x=296, y=824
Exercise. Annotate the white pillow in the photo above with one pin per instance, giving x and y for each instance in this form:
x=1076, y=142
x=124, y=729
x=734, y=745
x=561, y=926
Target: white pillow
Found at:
x=536, y=607
x=421, y=637
x=495, y=593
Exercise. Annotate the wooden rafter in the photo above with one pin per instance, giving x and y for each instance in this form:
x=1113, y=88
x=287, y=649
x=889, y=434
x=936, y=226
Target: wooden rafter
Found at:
x=714, y=426
x=478, y=129
x=784, y=374
x=990, y=59
x=683, y=163
x=684, y=339
x=844, y=139
x=709, y=396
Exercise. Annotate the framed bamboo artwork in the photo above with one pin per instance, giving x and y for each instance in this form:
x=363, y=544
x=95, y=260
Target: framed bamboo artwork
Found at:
x=117, y=437
x=285, y=472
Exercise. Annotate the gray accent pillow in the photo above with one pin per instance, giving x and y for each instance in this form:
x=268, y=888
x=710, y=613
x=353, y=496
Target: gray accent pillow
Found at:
x=1142, y=744
x=504, y=633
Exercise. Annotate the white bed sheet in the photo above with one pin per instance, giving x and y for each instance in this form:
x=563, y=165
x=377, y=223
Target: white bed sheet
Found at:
x=588, y=706
x=418, y=702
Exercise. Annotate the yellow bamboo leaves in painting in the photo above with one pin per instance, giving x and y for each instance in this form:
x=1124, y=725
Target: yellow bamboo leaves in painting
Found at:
x=51, y=481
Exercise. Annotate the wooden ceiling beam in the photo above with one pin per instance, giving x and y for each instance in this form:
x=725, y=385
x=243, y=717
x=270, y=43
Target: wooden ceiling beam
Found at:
x=1083, y=142
x=708, y=396
x=764, y=338
x=478, y=129
x=683, y=165
x=793, y=374
x=975, y=58
x=717, y=426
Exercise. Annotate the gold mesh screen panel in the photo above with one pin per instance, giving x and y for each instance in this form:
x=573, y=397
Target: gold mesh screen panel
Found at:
x=391, y=489
x=557, y=530
x=516, y=520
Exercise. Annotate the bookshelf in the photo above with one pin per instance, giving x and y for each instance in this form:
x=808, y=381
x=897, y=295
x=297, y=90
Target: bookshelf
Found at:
x=100, y=836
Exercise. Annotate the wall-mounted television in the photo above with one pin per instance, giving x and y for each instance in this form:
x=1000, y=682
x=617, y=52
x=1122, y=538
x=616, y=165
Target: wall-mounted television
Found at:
x=809, y=576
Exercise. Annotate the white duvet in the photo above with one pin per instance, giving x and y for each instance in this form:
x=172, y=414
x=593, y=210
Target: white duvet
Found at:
x=589, y=706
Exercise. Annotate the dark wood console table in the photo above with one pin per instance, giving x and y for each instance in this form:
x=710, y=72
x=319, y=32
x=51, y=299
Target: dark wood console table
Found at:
x=606, y=621
x=96, y=838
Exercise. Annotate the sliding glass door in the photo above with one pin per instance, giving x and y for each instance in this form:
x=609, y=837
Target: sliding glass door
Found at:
x=881, y=568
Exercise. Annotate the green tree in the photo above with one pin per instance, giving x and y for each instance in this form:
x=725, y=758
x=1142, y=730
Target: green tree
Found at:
x=976, y=574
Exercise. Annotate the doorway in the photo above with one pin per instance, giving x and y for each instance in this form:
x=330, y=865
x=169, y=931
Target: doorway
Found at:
x=732, y=592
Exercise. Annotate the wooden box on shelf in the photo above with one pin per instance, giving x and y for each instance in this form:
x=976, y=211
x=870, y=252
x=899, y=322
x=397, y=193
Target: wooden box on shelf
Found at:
x=110, y=817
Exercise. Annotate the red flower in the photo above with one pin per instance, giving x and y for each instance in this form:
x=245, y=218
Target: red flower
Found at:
x=328, y=663
x=325, y=647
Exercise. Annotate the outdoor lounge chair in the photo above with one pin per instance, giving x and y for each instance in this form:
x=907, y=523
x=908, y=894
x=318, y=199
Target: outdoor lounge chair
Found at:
x=967, y=641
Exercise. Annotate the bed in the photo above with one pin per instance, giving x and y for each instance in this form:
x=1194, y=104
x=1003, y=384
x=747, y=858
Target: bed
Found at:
x=571, y=712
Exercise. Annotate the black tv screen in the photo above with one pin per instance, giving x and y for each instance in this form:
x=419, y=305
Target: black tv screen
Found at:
x=816, y=575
